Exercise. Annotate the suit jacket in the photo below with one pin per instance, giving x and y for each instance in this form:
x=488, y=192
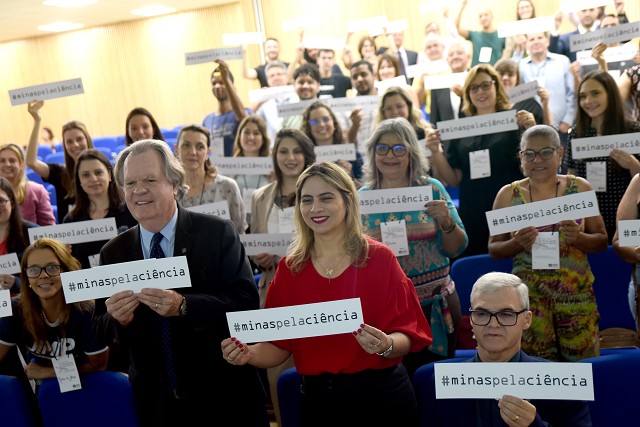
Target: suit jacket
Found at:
x=262, y=201
x=441, y=108
x=221, y=281
x=412, y=57
x=549, y=413
x=562, y=44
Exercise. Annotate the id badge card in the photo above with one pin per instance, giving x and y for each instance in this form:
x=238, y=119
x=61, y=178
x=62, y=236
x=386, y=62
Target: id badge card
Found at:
x=597, y=175
x=285, y=220
x=67, y=373
x=394, y=235
x=480, y=164
x=485, y=54
x=545, y=252
x=217, y=146
x=94, y=260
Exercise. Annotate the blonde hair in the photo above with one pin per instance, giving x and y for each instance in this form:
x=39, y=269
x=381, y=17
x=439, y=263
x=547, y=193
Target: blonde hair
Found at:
x=21, y=189
x=354, y=241
x=502, y=99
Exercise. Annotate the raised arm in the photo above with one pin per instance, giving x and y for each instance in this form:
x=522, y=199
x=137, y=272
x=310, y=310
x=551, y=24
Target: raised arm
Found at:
x=444, y=171
x=462, y=31
x=234, y=99
x=248, y=72
x=40, y=167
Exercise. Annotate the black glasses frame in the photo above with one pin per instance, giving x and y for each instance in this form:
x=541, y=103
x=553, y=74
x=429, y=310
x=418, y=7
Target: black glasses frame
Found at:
x=496, y=315
x=398, y=150
x=525, y=154
x=52, y=270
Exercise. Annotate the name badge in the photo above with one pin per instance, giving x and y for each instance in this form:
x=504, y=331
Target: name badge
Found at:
x=394, y=235
x=480, y=164
x=285, y=220
x=217, y=146
x=545, y=252
x=66, y=373
x=94, y=260
x=597, y=175
x=485, y=54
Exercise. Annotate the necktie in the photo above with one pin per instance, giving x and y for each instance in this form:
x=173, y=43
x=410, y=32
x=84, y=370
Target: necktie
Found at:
x=165, y=333
x=403, y=70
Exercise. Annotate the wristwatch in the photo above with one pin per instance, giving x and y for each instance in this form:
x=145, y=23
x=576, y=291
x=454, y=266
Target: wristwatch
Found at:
x=182, y=310
x=389, y=350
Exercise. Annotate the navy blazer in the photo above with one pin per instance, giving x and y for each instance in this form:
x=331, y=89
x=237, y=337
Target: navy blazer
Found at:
x=221, y=281
x=549, y=413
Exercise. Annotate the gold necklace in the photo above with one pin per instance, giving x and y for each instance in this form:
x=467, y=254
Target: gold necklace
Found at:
x=328, y=271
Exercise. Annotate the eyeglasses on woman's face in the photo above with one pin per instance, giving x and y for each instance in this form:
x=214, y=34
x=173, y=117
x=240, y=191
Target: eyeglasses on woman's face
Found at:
x=52, y=270
x=546, y=153
x=504, y=318
x=485, y=86
x=398, y=150
x=316, y=122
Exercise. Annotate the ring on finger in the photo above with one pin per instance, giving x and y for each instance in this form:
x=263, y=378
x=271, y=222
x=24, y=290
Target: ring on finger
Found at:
x=516, y=418
x=156, y=306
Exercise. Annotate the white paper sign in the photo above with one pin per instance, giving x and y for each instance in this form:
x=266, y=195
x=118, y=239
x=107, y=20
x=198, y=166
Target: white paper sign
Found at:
x=219, y=209
x=260, y=243
x=46, y=91
x=431, y=6
x=334, y=43
x=523, y=91
x=395, y=199
x=609, y=35
x=266, y=93
x=106, y=280
x=601, y=146
x=576, y=5
x=343, y=105
x=366, y=23
x=294, y=108
x=335, y=152
x=611, y=54
x=203, y=56
x=5, y=303
x=383, y=85
x=9, y=264
x=300, y=22
x=444, y=81
x=397, y=26
x=629, y=232
x=544, y=212
x=526, y=380
x=66, y=373
x=77, y=232
x=234, y=39
x=296, y=321
x=231, y=166
x=478, y=125
x=428, y=67
x=526, y=26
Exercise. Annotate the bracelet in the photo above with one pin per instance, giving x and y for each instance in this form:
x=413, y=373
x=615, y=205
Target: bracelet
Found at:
x=453, y=227
x=387, y=351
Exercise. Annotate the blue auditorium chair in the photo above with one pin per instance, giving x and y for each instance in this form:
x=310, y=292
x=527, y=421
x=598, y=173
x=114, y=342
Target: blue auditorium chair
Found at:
x=14, y=404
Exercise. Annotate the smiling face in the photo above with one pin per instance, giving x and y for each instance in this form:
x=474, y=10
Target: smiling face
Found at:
x=485, y=16
x=587, y=17
x=497, y=343
x=593, y=99
x=525, y=9
x=386, y=70
x=44, y=286
x=434, y=49
x=276, y=76
x=322, y=126
x=5, y=210
x=94, y=177
x=537, y=44
x=251, y=140
x=290, y=158
x=140, y=128
x=368, y=49
x=457, y=58
x=362, y=79
x=322, y=208
x=10, y=166
x=395, y=106
x=149, y=195
x=218, y=88
x=539, y=168
x=482, y=93
x=272, y=49
x=74, y=142
x=392, y=167
x=193, y=150
x=509, y=80
x=306, y=87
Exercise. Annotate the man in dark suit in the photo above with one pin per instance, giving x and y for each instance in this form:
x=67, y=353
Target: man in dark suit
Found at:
x=405, y=57
x=561, y=43
x=499, y=315
x=168, y=376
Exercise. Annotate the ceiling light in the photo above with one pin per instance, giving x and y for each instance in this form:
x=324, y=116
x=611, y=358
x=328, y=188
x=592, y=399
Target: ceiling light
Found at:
x=68, y=3
x=153, y=10
x=57, y=27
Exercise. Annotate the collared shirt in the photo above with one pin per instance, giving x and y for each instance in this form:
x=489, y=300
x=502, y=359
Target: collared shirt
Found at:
x=167, y=243
x=558, y=80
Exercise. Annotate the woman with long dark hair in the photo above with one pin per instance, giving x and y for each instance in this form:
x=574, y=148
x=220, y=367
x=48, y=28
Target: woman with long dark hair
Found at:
x=140, y=124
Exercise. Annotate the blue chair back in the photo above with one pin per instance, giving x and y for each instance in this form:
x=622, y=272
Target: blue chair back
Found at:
x=169, y=133
x=33, y=176
x=615, y=381
x=44, y=150
x=611, y=286
x=424, y=387
x=110, y=142
x=288, y=387
x=14, y=404
x=57, y=157
x=105, y=400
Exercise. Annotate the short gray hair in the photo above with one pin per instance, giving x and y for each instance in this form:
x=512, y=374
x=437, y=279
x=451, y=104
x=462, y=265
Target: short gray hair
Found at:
x=418, y=163
x=490, y=283
x=541, y=131
x=173, y=170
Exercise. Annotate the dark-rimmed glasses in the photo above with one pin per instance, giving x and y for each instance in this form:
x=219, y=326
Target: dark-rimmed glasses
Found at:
x=316, y=122
x=398, y=150
x=545, y=154
x=52, y=270
x=504, y=318
x=485, y=86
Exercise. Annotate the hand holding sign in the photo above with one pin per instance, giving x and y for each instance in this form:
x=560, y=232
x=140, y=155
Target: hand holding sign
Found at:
x=121, y=306
x=516, y=411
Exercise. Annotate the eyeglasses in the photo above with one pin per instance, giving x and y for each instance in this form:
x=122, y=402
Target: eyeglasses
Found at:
x=3, y=202
x=545, y=154
x=397, y=150
x=504, y=318
x=52, y=270
x=316, y=122
x=485, y=86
